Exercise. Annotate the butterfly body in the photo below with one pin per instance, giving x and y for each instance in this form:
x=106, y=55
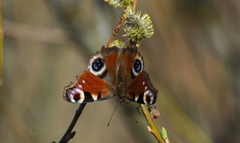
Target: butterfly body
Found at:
x=113, y=72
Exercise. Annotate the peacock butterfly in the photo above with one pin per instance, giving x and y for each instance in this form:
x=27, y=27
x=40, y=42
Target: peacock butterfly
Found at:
x=113, y=71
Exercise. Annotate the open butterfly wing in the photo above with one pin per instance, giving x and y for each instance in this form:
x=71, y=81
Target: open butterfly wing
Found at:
x=88, y=88
x=141, y=90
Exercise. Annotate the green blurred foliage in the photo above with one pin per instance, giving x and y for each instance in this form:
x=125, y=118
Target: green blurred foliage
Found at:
x=192, y=59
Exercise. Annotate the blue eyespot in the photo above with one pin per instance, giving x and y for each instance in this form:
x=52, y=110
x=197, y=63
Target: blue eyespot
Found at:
x=98, y=64
x=137, y=65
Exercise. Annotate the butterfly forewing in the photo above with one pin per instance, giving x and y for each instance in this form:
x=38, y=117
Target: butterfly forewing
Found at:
x=110, y=62
x=111, y=56
x=88, y=88
x=130, y=55
x=141, y=90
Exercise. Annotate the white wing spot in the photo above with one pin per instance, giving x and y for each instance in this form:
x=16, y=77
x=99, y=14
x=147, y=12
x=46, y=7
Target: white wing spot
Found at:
x=94, y=96
x=80, y=86
x=83, y=81
x=136, y=98
x=78, y=90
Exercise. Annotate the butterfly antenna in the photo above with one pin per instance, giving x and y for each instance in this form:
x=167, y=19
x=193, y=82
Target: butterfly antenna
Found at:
x=131, y=114
x=112, y=114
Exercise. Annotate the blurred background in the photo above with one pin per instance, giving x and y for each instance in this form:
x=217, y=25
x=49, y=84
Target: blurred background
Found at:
x=193, y=59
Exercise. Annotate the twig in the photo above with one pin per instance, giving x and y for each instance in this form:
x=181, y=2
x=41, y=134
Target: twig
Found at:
x=68, y=135
x=152, y=127
x=134, y=7
x=115, y=31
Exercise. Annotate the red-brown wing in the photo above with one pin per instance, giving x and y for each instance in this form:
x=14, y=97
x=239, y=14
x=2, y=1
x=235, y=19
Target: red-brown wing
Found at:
x=111, y=56
x=129, y=55
x=88, y=88
x=141, y=90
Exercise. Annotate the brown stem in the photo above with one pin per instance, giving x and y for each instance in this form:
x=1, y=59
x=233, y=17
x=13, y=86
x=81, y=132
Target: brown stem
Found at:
x=115, y=31
x=134, y=7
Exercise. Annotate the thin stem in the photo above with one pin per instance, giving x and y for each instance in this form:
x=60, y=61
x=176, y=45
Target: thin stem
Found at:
x=68, y=135
x=115, y=31
x=152, y=127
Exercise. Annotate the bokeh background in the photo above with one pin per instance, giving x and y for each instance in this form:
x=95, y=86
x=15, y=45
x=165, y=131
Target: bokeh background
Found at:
x=193, y=59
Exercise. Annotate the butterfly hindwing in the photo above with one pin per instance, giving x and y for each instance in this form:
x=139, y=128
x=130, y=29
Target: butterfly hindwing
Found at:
x=141, y=90
x=87, y=88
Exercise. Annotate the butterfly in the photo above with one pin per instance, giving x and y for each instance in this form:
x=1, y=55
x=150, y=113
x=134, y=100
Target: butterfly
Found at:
x=113, y=71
